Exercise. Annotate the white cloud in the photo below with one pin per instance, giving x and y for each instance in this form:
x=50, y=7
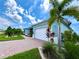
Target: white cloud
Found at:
x=18, y=17
x=11, y=4
x=20, y=9
x=75, y=3
x=60, y=1
x=26, y=12
x=30, y=9
x=4, y=22
x=45, y=5
x=32, y=6
x=39, y=20
x=13, y=10
x=31, y=18
x=15, y=16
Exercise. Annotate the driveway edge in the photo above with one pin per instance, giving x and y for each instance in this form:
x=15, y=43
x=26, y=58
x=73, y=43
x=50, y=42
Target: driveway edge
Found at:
x=41, y=53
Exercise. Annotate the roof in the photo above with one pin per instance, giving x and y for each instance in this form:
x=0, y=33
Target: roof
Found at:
x=40, y=22
x=66, y=23
x=27, y=28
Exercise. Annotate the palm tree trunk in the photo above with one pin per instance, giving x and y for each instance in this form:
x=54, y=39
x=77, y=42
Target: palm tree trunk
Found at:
x=59, y=34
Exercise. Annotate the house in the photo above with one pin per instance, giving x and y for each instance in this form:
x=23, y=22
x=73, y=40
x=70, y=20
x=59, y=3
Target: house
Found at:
x=26, y=31
x=39, y=30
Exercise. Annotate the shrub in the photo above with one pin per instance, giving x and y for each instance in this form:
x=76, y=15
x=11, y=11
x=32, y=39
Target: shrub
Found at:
x=50, y=51
x=69, y=36
x=72, y=50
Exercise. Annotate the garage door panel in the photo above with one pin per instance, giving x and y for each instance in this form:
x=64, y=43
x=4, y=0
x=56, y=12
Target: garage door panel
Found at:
x=41, y=34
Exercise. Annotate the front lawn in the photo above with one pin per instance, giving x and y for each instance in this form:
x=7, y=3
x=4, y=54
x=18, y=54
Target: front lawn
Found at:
x=5, y=38
x=32, y=54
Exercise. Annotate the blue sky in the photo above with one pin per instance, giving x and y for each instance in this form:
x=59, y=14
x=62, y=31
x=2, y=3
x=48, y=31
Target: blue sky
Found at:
x=75, y=27
x=24, y=13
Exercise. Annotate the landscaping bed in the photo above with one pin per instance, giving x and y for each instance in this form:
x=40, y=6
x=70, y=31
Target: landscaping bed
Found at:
x=32, y=54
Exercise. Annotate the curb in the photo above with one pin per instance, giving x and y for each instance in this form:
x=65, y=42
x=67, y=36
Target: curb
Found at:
x=41, y=53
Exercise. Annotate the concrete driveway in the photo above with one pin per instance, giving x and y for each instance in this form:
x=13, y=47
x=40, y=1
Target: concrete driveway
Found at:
x=8, y=48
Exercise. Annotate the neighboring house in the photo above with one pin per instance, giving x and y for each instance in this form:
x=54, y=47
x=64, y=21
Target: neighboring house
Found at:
x=26, y=31
x=39, y=30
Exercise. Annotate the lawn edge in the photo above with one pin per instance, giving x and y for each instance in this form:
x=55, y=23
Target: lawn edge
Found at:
x=41, y=53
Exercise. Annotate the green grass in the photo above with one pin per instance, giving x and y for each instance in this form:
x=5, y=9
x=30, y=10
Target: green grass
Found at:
x=4, y=38
x=32, y=54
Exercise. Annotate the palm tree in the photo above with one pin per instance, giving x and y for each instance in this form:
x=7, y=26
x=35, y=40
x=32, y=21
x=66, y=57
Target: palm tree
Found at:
x=58, y=12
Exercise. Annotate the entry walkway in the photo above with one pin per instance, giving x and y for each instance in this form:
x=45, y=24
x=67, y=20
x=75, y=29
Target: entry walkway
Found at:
x=8, y=48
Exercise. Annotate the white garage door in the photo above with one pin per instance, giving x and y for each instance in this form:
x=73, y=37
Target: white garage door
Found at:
x=40, y=34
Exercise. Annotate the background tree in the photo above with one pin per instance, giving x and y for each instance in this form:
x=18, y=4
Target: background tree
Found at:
x=12, y=32
x=19, y=32
x=58, y=12
x=9, y=31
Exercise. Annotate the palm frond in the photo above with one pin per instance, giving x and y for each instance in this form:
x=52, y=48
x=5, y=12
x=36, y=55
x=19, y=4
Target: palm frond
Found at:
x=66, y=24
x=52, y=17
x=54, y=3
x=64, y=2
x=53, y=12
x=72, y=12
x=51, y=21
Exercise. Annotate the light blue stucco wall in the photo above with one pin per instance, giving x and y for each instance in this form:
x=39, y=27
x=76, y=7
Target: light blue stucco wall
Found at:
x=54, y=28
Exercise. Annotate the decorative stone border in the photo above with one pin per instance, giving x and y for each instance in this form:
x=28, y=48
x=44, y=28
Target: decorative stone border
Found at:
x=41, y=53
